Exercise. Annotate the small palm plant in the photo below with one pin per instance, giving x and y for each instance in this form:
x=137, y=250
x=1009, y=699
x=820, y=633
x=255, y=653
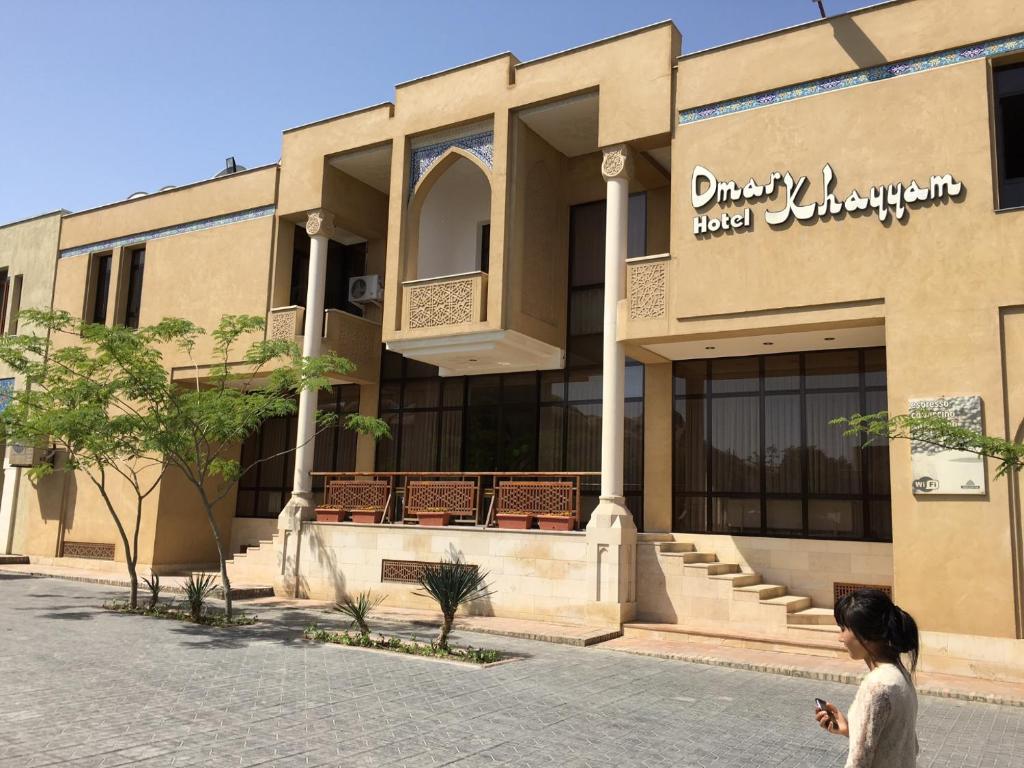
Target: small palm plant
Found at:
x=452, y=584
x=197, y=591
x=359, y=609
x=153, y=585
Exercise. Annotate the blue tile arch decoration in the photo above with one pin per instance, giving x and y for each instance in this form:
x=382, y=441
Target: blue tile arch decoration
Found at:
x=860, y=77
x=479, y=144
x=177, y=229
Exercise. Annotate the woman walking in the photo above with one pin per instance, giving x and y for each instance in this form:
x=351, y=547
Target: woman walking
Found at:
x=881, y=724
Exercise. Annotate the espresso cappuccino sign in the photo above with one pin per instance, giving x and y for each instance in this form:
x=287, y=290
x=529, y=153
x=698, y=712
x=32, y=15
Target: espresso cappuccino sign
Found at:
x=883, y=201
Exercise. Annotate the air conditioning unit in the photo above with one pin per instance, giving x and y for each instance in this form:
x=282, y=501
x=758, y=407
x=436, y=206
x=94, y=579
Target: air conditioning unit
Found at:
x=23, y=455
x=365, y=289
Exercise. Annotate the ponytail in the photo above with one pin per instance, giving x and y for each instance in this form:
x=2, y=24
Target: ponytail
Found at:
x=872, y=616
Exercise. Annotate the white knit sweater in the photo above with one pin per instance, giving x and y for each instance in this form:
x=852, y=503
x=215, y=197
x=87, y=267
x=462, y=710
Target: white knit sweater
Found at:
x=883, y=719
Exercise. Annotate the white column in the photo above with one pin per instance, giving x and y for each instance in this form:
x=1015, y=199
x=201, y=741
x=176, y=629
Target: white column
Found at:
x=8, y=507
x=319, y=227
x=611, y=532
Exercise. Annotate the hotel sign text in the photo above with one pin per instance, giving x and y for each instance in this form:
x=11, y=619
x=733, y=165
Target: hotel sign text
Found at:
x=884, y=200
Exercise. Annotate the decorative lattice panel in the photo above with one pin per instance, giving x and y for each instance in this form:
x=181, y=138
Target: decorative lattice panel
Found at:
x=88, y=549
x=284, y=324
x=536, y=496
x=436, y=304
x=356, y=494
x=409, y=571
x=455, y=496
x=647, y=290
x=842, y=589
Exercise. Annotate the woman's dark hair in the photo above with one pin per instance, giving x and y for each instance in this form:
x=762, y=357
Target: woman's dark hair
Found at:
x=871, y=615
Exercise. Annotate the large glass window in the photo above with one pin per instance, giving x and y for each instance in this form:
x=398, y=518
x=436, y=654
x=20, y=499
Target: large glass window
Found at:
x=754, y=453
x=264, y=490
x=101, y=287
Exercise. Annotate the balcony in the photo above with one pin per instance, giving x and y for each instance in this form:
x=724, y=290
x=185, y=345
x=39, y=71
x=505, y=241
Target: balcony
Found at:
x=352, y=337
x=444, y=303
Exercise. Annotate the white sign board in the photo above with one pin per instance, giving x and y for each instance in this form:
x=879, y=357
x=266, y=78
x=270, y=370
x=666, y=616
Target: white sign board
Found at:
x=937, y=470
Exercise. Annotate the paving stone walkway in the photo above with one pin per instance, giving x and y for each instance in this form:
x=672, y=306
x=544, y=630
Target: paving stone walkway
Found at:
x=80, y=686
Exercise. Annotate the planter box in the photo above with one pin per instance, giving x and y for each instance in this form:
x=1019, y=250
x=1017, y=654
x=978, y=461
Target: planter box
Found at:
x=515, y=522
x=556, y=522
x=434, y=518
x=366, y=516
x=330, y=515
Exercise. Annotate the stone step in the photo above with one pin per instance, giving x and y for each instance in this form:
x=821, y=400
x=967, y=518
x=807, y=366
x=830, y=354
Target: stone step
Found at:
x=693, y=557
x=783, y=640
x=676, y=546
x=814, y=617
x=14, y=560
x=712, y=569
x=758, y=592
x=791, y=603
x=738, y=579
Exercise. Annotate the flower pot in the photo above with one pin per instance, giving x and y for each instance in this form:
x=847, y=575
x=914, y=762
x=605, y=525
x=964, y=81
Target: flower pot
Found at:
x=434, y=518
x=514, y=522
x=556, y=522
x=366, y=516
x=330, y=515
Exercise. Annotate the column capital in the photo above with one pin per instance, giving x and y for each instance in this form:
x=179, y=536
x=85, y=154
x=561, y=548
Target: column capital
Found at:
x=320, y=222
x=617, y=162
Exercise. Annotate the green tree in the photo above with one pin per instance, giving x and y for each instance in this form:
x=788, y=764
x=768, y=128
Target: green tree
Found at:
x=935, y=430
x=108, y=395
x=84, y=398
x=198, y=428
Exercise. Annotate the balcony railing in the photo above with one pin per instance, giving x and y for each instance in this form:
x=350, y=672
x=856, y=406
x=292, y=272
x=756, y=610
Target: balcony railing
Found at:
x=647, y=287
x=469, y=498
x=352, y=337
x=442, y=302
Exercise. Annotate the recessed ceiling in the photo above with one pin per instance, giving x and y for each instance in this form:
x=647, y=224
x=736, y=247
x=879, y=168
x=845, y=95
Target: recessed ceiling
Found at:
x=770, y=344
x=371, y=166
x=570, y=125
x=662, y=156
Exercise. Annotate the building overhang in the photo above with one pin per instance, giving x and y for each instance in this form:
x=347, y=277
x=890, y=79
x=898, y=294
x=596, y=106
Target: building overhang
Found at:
x=501, y=351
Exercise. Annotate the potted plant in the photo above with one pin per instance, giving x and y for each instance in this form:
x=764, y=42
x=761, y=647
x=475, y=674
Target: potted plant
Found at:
x=515, y=519
x=557, y=521
x=330, y=515
x=367, y=515
x=434, y=516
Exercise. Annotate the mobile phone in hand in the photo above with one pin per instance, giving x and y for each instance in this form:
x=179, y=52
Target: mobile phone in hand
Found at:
x=822, y=705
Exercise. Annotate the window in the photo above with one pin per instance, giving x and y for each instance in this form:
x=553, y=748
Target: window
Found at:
x=754, y=453
x=264, y=490
x=101, y=288
x=485, y=247
x=1009, y=106
x=5, y=286
x=343, y=263
x=136, y=265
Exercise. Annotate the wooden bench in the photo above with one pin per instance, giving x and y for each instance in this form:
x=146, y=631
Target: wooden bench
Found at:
x=457, y=498
x=341, y=496
x=536, y=497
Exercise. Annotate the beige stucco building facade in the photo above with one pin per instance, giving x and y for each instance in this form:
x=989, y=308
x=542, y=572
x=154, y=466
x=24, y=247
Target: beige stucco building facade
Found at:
x=669, y=270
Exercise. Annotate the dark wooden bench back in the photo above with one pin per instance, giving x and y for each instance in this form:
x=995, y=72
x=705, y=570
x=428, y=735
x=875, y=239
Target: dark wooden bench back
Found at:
x=457, y=497
x=536, y=496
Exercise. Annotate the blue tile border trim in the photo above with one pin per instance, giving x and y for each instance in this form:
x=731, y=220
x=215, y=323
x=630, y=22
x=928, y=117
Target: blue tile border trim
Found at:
x=479, y=144
x=860, y=77
x=177, y=229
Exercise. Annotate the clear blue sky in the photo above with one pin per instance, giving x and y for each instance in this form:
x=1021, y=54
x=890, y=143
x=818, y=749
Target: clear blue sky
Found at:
x=104, y=98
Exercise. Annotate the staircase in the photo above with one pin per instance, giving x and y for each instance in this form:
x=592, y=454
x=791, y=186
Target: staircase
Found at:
x=257, y=565
x=720, y=603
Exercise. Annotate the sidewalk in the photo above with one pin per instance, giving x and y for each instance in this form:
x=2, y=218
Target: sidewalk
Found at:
x=600, y=638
